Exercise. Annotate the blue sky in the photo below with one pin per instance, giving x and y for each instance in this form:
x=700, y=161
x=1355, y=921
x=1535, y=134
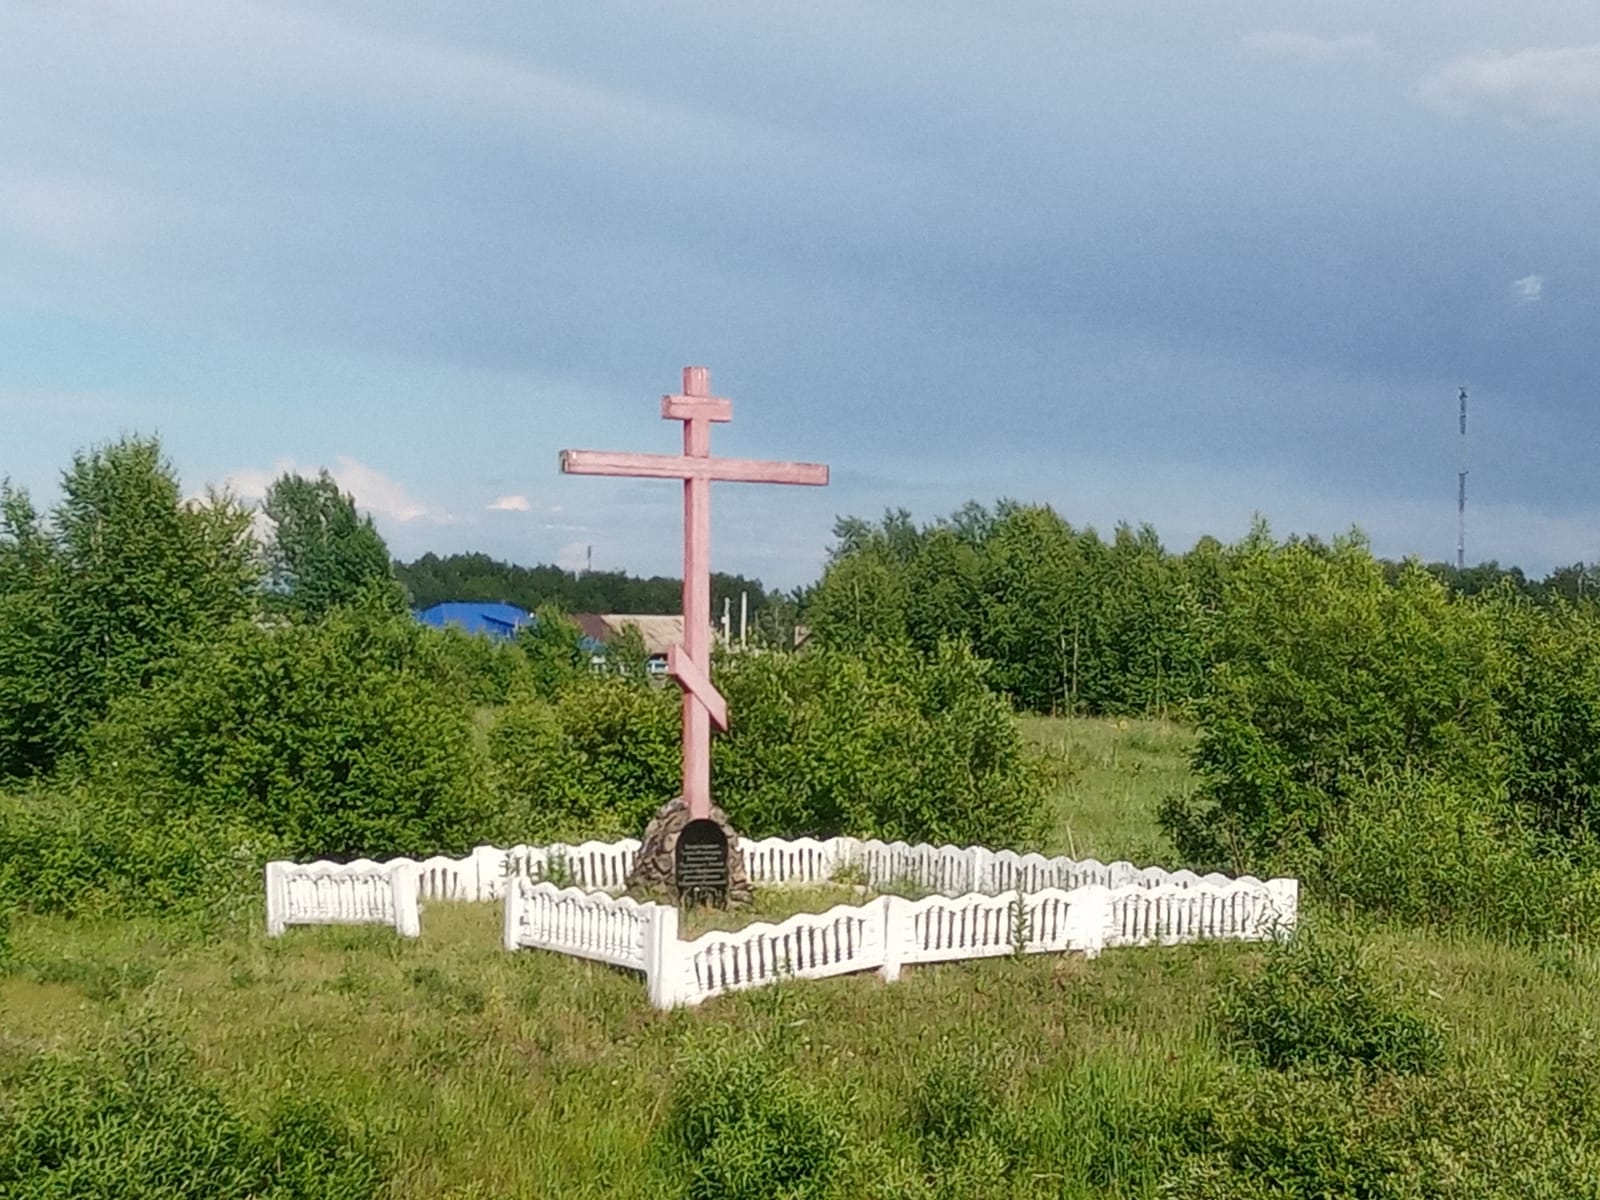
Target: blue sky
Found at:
x=1173, y=263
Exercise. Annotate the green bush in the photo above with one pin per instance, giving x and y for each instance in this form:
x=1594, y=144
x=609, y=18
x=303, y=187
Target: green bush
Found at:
x=1294, y=1137
x=135, y=1119
x=743, y=1126
x=893, y=744
x=74, y=852
x=972, y=1138
x=1550, y=698
x=1072, y=622
x=1424, y=851
x=1412, y=753
x=1319, y=1003
x=97, y=600
x=335, y=738
x=1477, y=1135
x=1328, y=673
x=553, y=647
x=596, y=763
x=890, y=745
x=481, y=670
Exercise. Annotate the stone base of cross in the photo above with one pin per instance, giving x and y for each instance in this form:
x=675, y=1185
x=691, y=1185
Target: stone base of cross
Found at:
x=690, y=663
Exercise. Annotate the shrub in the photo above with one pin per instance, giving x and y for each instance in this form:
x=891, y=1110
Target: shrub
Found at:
x=334, y=738
x=1474, y=1135
x=1425, y=851
x=554, y=649
x=598, y=762
x=1070, y=620
x=957, y=1098
x=96, y=601
x=1291, y=1137
x=73, y=852
x=134, y=1118
x=481, y=670
x=742, y=1126
x=892, y=745
x=1320, y=1004
x=1551, y=701
x=972, y=1139
x=1328, y=673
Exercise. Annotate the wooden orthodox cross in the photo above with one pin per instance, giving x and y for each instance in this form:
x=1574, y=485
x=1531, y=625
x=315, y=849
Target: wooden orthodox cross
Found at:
x=690, y=663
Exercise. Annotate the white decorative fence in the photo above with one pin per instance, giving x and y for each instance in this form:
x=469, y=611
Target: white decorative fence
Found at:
x=887, y=933
x=1213, y=908
x=985, y=902
x=363, y=891
x=357, y=893
x=948, y=870
x=611, y=929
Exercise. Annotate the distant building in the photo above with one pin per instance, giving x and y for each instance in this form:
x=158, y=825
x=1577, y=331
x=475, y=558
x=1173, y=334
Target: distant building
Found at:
x=494, y=620
x=657, y=632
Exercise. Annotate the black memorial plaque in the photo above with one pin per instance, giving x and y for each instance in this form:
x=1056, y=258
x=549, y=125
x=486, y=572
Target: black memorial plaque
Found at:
x=700, y=864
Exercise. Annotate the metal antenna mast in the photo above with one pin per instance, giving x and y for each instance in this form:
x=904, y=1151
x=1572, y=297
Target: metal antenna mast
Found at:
x=1461, y=492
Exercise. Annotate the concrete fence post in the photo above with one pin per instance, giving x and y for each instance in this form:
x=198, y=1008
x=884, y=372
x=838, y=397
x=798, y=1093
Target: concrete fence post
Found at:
x=277, y=899
x=895, y=913
x=512, y=928
x=844, y=854
x=663, y=964
x=404, y=883
x=488, y=869
x=981, y=862
x=1284, y=895
x=1091, y=917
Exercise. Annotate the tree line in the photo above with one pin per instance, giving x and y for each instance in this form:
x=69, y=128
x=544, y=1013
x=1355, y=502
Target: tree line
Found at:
x=432, y=579
x=1075, y=622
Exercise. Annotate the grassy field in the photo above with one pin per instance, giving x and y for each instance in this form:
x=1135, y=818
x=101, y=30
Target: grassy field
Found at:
x=482, y=1074
x=1112, y=775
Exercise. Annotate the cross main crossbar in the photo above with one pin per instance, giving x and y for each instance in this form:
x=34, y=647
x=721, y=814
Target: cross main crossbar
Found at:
x=683, y=466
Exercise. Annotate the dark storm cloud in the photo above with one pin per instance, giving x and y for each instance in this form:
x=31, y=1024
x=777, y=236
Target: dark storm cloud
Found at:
x=1166, y=263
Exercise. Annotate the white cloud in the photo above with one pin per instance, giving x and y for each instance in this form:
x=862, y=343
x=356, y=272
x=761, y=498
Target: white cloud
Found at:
x=1528, y=289
x=1308, y=47
x=511, y=504
x=1523, y=88
x=374, y=491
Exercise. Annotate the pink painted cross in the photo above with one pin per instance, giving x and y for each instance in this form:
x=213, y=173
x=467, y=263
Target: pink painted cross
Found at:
x=690, y=663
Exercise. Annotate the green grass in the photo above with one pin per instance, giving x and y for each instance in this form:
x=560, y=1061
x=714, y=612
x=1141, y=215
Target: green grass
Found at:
x=1111, y=776
x=486, y=1074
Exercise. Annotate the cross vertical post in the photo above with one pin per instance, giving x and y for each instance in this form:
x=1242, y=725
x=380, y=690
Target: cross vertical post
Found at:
x=696, y=598
x=689, y=664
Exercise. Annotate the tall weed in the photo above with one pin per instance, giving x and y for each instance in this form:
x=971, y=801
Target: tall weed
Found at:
x=1320, y=1003
x=742, y=1125
x=134, y=1118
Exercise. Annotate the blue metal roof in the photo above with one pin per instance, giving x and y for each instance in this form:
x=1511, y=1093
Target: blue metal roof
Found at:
x=488, y=617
